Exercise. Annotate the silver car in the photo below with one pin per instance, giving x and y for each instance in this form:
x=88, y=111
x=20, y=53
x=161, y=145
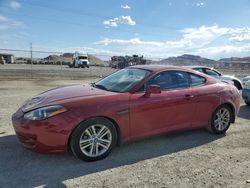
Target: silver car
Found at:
x=245, y=79
x=246, y=92
x=216, y=74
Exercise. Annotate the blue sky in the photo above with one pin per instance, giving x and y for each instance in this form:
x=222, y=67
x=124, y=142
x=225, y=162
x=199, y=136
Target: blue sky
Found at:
x=155, y=29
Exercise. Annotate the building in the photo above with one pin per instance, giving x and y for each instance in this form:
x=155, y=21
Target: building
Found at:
x=6, y=58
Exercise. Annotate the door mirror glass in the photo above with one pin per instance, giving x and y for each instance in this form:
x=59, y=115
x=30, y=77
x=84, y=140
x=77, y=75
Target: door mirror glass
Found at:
x=152, y=89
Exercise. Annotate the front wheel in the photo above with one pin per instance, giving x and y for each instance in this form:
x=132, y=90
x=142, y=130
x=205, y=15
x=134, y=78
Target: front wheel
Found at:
x=93, y=139
x=221, y=119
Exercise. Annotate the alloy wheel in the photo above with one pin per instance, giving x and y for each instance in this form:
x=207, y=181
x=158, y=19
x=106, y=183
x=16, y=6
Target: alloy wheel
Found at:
x=222, y=119
x=95, y=140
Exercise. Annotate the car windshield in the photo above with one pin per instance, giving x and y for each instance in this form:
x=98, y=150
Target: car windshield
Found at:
x=83, y=57
x=123, y=80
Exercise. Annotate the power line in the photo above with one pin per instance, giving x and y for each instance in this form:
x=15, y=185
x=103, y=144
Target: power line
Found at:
x=81, y=24
x=84, y=13
x=31, y=51
x=36, y=51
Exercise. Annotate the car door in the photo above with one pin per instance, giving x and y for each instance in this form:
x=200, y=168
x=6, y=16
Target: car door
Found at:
x=206, y=99
x=172, y=109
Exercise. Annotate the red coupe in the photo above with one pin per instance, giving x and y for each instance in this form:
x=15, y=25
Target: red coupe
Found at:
x=129, y=104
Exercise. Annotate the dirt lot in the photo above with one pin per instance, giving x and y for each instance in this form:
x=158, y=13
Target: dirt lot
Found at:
x=189, y=159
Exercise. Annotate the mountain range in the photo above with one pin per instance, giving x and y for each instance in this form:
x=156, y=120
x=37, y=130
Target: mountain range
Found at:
x=188, y=59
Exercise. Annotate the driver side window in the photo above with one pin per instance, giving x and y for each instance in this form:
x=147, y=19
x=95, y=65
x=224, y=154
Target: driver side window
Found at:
x=170, y=80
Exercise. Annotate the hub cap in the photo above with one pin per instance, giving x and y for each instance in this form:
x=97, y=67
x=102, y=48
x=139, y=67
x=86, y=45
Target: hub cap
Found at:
x=95, y=140
x=222, y=119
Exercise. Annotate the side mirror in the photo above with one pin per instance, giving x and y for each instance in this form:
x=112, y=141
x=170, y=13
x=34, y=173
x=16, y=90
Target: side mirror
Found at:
x=152, y=89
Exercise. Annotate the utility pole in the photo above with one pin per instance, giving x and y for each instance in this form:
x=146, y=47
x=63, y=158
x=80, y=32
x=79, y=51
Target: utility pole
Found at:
x=31, y=59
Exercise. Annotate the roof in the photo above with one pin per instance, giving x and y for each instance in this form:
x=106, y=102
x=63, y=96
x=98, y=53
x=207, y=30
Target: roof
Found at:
x=196, y=66
x=156, y=68
x=6, y=54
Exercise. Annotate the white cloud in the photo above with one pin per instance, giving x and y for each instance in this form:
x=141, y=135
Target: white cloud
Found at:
x=125, y=7
x=200, y=4
x=240, y=34
x=133, y=41
x=125, y=20
x=15, y=4
x=3, y=18
x=8, y=23
x=200, y=41
x=218, y=52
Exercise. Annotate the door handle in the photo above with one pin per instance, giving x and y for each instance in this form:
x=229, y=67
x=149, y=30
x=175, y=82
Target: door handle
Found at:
x=189, y=96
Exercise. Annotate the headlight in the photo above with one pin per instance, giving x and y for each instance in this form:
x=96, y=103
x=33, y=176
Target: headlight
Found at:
x=44, y=112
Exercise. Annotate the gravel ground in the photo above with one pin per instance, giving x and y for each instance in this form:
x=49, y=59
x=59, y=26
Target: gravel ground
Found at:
x=188, y=159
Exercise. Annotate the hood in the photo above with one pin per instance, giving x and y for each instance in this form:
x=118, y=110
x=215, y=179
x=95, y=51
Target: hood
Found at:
x=246, y=78
x=61, y=93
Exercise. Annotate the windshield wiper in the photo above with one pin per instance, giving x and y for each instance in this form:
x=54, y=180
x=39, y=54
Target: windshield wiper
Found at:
x=99, y=86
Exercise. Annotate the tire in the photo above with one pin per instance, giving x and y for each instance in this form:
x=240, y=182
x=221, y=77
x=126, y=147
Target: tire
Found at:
x=221, y=119
x=93, y=139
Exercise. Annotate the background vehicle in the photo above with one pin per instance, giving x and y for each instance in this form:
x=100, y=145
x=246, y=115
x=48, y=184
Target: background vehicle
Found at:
x=130, y=104
x=80, y=60
x=121, y=62
x=216, y=74
x=246, y=93
x=245, y=80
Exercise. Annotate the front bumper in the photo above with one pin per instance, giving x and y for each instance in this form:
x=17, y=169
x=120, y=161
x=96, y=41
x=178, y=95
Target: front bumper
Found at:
x=246, y=95
x=45, y=136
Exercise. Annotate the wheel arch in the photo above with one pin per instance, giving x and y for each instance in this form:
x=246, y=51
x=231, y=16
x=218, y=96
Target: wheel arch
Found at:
x=117, y=128
x=237, y=82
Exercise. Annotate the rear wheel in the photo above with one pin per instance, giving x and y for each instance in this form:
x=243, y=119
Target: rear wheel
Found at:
x=221, y=119
x=93, y=139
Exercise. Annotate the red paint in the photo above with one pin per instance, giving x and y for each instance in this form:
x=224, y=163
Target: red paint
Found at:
x=155, y=113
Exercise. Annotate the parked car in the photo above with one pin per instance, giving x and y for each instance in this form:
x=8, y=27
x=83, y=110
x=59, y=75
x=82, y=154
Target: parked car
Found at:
x=246, y=93
x=133, y=103
x=216, y=74
x=244, y=80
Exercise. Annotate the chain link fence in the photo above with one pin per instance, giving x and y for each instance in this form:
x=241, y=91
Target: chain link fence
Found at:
x=44, y=64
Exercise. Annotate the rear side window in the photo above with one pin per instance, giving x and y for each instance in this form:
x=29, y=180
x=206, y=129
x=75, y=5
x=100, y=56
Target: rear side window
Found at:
x=211, y=72
x=199, y=69
x=196, y=80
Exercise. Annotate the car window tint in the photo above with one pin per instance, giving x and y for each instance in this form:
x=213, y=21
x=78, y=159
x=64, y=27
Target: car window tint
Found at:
x=170, y=80
x=199, y=69
x=211, y=72
x=196, y=80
